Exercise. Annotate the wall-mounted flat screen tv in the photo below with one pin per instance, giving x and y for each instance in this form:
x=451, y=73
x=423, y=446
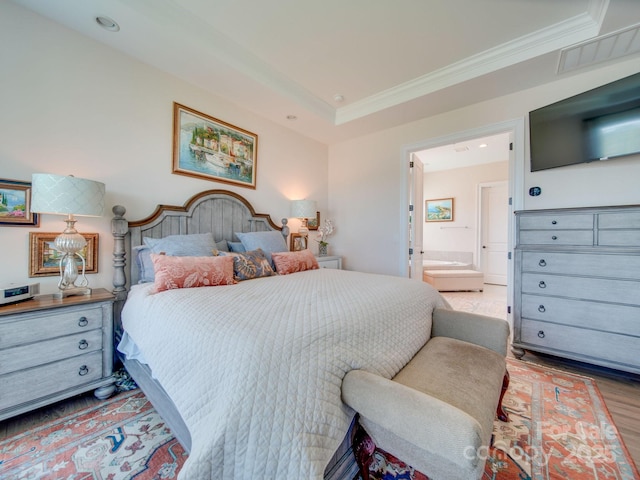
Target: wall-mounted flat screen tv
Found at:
x=599, y=124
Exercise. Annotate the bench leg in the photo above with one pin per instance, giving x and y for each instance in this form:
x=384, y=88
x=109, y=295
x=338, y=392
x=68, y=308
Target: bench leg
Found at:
x=502, y=415
x=363, y=448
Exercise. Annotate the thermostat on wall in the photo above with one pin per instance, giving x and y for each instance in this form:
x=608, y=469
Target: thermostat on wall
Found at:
x=15, y=292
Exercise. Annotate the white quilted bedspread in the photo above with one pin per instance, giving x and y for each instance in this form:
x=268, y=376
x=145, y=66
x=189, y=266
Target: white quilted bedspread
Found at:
x=255, y=368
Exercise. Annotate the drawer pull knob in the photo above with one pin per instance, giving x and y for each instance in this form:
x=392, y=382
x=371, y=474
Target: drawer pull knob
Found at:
x=541, y=333
x=554, y=222
x=554, y=237
x=83, y=344
x=541, y=284
x=541, y=309
x=83, y=370
x=542, y=262
x=83, y=322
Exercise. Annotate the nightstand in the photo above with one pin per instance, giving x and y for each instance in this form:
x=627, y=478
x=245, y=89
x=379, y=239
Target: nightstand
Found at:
x=52, y=349
x=330, y=261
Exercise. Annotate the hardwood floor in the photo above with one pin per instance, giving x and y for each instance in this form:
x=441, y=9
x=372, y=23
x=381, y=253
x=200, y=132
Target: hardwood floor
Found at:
x=620, y=390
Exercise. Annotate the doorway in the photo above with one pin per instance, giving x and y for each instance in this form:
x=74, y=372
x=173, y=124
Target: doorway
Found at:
x=515, y=186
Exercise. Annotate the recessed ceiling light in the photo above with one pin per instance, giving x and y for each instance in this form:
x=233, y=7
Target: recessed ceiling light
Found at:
x=107, y=23
x=483, y=145
x=291, y=117
x=338, y=98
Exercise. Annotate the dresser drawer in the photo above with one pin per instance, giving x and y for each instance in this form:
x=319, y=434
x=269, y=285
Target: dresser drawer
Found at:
x=619, y=220
x=32, y=327
x=556, y=222
x=588, y=343
x=47, y=351
x=556, y=237
x=595, y=289
x=588, y=264
x=578, y=313
x=27, y=385
x=619, y=238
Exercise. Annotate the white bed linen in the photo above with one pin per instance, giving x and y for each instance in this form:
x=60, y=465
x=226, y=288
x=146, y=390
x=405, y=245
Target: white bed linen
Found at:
x=255, y=369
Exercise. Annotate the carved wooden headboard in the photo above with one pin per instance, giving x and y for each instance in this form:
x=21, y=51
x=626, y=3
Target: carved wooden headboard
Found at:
x=218, y=211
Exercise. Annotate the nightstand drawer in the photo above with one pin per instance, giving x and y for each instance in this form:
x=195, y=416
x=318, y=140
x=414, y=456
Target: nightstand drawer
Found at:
x=31, y=355
x=330, y=264
x=27, y=385
x=36, y=326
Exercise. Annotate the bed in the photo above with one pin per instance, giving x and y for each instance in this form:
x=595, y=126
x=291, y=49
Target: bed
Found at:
x=248, y=374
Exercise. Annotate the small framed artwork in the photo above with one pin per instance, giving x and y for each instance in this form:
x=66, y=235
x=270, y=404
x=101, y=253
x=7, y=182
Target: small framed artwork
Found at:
x=314, y=223
x=15, y=204
x=439, y=210
x=298, y=242
x=44, y=259
x=205, y=147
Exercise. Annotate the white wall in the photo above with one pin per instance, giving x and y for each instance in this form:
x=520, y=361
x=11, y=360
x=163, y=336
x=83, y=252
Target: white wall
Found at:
x=366, y=174
x=459, y=235
x=72, y=106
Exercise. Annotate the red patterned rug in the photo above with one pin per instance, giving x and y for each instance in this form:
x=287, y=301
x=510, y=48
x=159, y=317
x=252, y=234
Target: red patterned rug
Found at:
x=559, y=428
x=121, y=438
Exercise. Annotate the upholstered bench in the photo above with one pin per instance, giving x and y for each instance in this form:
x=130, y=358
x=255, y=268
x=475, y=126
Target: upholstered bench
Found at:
x=454, y=280
x=437, y=413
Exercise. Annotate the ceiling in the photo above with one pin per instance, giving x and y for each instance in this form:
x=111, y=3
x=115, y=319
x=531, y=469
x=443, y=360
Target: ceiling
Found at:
x=336, y=69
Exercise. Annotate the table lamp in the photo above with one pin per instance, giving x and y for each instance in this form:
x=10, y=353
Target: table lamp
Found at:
x=68, y=195
x=304, y=210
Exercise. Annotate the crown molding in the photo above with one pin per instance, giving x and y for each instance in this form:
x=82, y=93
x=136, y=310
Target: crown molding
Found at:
x=573, y=30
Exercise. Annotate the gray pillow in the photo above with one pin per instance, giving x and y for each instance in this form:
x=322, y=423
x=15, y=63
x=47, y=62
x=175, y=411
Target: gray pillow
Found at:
x=194, y=245
x=146, y=273
x=269, y=242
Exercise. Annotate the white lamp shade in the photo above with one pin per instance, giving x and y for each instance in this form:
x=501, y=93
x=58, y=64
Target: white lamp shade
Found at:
x=303, y=209
x=64, y=195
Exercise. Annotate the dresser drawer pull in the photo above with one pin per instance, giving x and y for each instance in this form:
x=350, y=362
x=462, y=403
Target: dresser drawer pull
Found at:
x=541, y=309
x=83, y=322
x=541, y=333
x=84, y=370
x=83, y=344
x=554, y=222
x=542, y=263
x=541, y=284
x=554, y=237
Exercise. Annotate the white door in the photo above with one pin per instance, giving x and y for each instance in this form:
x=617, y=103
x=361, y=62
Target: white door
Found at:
x=416, y=194
x=494, y=227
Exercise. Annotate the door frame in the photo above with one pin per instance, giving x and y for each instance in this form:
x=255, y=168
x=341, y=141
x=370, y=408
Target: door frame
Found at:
x=516, y=127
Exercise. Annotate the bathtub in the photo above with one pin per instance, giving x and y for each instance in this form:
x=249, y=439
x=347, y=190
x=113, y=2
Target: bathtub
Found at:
x=445, y=265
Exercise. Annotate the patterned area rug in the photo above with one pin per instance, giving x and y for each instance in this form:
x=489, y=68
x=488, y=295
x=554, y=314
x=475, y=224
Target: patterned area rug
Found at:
x=559, y=428
x=122, y=438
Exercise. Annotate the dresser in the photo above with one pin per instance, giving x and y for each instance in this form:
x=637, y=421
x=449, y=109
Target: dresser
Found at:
x=51, y=349
x=577, y=285
x=330, y=261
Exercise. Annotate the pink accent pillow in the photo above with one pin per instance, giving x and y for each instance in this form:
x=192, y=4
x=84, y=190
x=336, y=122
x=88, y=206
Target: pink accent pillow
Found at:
x=187, y=272
x=292, y=262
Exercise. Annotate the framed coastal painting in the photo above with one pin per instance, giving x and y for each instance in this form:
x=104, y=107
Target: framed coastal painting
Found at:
x=44, y=259
x=205, y=147
x=439, y=210
x=314, y=223
x=15, y=204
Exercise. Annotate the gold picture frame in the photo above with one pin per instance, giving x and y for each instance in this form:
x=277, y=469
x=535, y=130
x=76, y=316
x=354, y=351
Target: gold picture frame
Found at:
x=298, y=242
x=439, y=210
x=15, y=204
x=314, y=223
x=205, y=147
x=44, y=259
